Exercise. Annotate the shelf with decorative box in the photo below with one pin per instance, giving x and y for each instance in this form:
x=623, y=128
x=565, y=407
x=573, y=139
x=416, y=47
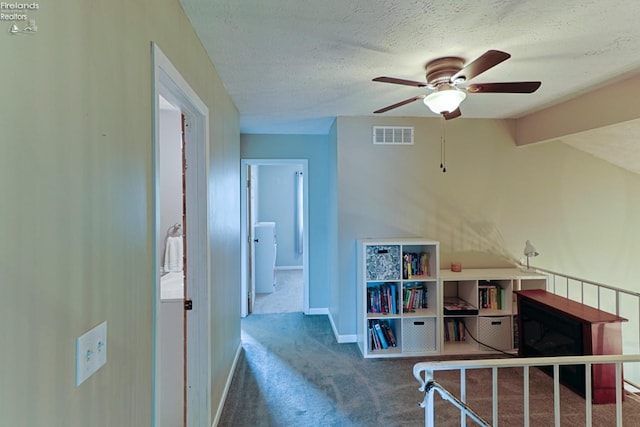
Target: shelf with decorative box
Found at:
x=397, y=297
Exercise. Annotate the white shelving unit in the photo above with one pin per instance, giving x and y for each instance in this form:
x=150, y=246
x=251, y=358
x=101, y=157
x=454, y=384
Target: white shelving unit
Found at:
x=488, y=315
x=382, y=271
x=493, y=322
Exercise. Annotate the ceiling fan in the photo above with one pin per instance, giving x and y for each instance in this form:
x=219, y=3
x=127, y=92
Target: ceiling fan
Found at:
x=445, y=77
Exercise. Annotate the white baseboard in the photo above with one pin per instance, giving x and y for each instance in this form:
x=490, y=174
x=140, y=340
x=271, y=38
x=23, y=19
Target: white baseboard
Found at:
x=341, y=339
x=227, y=385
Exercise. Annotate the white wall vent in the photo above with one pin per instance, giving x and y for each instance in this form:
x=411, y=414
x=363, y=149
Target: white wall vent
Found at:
x=393, y=135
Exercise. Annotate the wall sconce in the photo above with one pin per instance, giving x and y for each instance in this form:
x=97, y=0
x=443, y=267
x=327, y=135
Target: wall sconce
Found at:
x=530, y=251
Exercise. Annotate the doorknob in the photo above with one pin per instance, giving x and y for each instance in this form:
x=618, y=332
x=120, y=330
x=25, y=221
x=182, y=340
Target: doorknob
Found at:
x=256, y=240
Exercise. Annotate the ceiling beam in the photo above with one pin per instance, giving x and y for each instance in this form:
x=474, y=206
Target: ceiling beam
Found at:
x=605, y=106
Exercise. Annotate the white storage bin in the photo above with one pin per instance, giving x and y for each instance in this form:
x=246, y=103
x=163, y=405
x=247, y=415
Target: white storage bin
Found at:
x=495, y=331
x=418, y=334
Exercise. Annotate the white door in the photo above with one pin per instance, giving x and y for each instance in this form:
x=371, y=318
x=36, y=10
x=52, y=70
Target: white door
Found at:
x=169, y=84
x=251, y=297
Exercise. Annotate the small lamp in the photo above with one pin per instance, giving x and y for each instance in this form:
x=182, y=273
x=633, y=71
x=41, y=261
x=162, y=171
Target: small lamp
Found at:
x=529, y=251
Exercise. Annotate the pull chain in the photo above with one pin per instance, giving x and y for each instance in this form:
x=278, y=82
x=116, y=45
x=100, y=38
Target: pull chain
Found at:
x=443, y=140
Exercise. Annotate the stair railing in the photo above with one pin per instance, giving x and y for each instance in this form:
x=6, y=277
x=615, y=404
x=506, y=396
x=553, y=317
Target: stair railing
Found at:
x=431, y=386
x=565, y=285
x=424, y=373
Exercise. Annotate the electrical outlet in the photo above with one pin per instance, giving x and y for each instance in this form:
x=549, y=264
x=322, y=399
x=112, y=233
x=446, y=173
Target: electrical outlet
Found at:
x=91, y=352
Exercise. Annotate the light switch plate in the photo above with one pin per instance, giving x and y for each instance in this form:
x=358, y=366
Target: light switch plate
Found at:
x=91, y=352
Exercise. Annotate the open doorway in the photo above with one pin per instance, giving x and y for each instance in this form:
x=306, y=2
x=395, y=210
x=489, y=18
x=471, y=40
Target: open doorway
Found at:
x=274, y=202
x=188, y=324
x=171, y=314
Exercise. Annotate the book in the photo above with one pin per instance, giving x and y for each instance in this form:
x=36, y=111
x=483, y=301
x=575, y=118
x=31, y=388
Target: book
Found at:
x=386, y=328
x=415, y=297
x=393, y=291
x=493, y=298
x=382, y=299
x=415, y=264
x=375, y=341
x=455, y=330
x=490, y=296
x=424, y=263
x=383, y=341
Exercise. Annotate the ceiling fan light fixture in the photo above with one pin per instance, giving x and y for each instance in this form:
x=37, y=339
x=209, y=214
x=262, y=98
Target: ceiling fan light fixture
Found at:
x=445, y=99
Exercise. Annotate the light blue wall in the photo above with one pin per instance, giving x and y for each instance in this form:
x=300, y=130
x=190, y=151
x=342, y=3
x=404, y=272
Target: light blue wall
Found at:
x=332, y=222
x=276, y=203
x=322, y=195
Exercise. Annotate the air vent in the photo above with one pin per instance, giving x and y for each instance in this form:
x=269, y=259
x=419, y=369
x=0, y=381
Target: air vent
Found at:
x=393, y=135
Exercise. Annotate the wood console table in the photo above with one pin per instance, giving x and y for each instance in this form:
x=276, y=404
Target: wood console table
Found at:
x=551, y=325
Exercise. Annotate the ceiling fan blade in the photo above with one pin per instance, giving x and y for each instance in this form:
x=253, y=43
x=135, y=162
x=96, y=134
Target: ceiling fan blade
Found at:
x=399, y=104
x=452, y=115
x=511, y=87
x=487, y=60
x=399, y=81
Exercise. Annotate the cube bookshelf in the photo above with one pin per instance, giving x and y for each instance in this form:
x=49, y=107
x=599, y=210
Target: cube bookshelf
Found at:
x=407, y=306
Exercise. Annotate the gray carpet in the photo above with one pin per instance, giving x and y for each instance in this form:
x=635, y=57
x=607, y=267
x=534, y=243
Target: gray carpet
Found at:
x=287, y=295
x=292, y=372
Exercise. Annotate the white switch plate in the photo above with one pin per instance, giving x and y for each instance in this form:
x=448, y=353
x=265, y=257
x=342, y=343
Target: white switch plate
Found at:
x=91, y=352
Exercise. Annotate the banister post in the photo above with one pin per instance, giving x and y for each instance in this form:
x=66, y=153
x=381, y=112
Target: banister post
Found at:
x=427, y=402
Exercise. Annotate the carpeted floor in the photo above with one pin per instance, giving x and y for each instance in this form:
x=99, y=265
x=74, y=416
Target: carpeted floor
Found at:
x=292, y=373
x=286, y=297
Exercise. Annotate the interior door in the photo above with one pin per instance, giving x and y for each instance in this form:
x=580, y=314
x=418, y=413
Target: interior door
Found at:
x=251, y=297
x=193, y=349
x=184, y=263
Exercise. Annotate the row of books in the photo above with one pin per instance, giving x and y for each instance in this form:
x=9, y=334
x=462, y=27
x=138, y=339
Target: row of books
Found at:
x=414, y=264
x=490, y=296
x=454, y=330
x=381, y=335
x=414, y=298
x=382, y=299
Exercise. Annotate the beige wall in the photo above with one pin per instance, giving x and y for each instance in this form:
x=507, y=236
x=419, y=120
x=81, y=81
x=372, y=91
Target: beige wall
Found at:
x=577, y=210
x=76, y=217
x=605, y=106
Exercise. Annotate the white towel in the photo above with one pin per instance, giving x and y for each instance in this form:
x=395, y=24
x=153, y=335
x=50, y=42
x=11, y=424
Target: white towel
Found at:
x=173, y=254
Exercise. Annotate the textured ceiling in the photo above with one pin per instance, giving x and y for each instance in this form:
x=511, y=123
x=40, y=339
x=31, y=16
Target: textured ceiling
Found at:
x=619, y=144
x=291, y=66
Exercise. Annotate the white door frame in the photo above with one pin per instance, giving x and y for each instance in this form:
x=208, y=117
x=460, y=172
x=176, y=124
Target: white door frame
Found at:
x=244, y=280
x=168, y=82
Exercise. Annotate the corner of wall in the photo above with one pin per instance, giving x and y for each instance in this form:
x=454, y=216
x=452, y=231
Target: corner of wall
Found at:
x=344, y=338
